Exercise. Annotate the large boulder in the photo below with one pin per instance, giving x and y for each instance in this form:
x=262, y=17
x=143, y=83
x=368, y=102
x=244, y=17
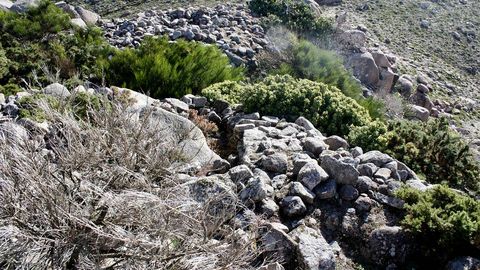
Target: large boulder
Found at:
x=89, y=17
x=376, y=157
x=388, y=245
x=364, y=68
x=276, y=243
x=352, y=39
x=188, y=139
x=417, y=112
x=313, y=252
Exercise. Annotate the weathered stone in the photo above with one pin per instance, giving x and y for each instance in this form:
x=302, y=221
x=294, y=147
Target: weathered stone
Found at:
x=365, y=183
x=364, y=68
x=57, y=90
x=326, y=190
x=311, y=175
x=293, y=206
x=335, y=142
x=342, y=172
x=383, y=173
x=297, y=189
x=348, y=193
x=305, y=123
x=240, y=173
x=276, y=243
x=275, y=163
x=388, y=244
x=376, y=157
x=89, y=17
x=356, y=151
x=464, y=263
x=417, y=112
x=269, y=208
x=255, y=190
x=314, y=145
x=313, y=251
x=363, y=203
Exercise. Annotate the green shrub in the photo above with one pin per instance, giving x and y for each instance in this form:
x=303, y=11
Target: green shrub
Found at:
x=167, y=69
x=430, y=148
x=446, y=223
x=44, y=38
x=296, y=15
x=29, y=106
x=9, y=89
x=310, y=62
x=326, y=106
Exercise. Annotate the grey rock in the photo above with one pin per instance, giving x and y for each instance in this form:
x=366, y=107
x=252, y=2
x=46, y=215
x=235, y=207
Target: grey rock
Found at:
x=255, y=190
x=276, y=243
x=335, y=142
x=365, y=183
x=189, y=139
x=326, y=190
x=388, y=244
x=242, y=127
x=269, y=208
x=416, y=184
x=21, y=6
x=383, y=173
x=464, y=263
x=387, y=200
x=364, y=68
x=311, y=175
x=177, y=104
x=305, y=123
x=299, y=160
x=376, y=157
x=297, y=189
x=293, y=206
x=348, y=193
x=12, y=133
x=56, y=90
x=79, y=23
x=214, y=117
x=342, y=172
x=313, y=250
x=367, y=169
x=363, y=203
x=10, y=110
x=417, y=112
x=275, y=163
x=405, y=86
x=356, y=151
x=279, y=181
x=240, y=173
x=314, y=145
x=5, y=4
x=89, y=17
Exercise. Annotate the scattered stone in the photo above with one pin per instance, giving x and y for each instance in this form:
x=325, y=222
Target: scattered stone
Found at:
x=376, y=157
x=348, y=193
x=326, y=190
x=56, y=90
x=314, y=145
x=311, y=175
x=313, y=251
x=297, y=189
x=275, y=163
x=336, y=142
x=293, y=206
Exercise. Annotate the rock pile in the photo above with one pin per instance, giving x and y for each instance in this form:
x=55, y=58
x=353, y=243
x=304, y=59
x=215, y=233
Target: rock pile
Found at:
x=317, y=199
x=230, y=27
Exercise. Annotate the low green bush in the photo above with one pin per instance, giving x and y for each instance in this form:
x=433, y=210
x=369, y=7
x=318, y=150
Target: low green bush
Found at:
x=432, y=149
x=9, y=89
x=44, y=39
x=166, y=69
x=445, y=222
x=296, y=15
x=307, y=61
x=282, y=95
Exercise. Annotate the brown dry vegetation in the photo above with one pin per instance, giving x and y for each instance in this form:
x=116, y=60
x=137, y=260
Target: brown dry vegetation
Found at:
x=98, y=194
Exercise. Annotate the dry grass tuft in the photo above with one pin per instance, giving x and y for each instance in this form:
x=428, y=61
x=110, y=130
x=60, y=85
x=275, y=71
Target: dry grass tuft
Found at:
x=97, y=194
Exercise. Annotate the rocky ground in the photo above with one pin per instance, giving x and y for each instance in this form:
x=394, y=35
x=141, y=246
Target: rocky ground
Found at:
x=318, y=202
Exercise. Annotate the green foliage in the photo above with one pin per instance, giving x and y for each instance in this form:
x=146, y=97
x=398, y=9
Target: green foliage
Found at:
x=9, y=89
x=370, y=136
x=36, y=23
x=310, y=62
x=44, y=37
x=167, y=69
x=296, y=15
x=29, y=106
x=430, y=148
x=325, y=106
x=445, y=221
